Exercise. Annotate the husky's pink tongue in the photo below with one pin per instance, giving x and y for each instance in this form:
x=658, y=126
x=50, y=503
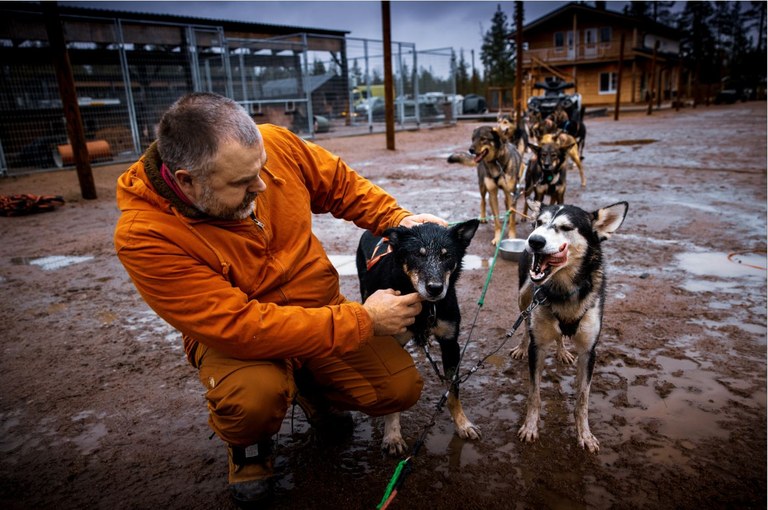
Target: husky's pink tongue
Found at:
x=555, y=259
x=480, y=156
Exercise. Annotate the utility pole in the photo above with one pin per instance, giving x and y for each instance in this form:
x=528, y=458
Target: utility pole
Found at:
x=519, y=63
x=66, y=79
x=389, y=101
x=618, y=78
x=652, y=79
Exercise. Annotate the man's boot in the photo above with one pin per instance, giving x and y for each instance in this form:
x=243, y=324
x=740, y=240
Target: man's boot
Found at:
x=250, y=474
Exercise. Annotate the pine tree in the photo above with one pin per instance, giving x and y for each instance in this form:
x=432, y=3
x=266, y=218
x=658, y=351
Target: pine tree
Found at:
x=638, y=9
x=462, y=75
x=496, y=52
x=318, y=67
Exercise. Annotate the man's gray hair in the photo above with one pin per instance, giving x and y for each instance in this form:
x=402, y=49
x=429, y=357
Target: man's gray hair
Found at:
x=193, y=128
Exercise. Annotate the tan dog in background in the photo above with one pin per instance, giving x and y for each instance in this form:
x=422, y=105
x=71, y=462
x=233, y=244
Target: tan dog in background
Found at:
x=499, y=165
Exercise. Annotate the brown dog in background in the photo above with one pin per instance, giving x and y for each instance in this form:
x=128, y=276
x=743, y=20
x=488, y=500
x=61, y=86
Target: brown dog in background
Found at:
x=499, y=166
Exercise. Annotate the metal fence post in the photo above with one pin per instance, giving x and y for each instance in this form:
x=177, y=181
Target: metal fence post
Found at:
x=126, y=72
x=307, y=87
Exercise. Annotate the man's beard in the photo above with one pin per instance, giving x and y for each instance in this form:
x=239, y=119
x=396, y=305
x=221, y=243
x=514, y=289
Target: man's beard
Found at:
x=212, y=207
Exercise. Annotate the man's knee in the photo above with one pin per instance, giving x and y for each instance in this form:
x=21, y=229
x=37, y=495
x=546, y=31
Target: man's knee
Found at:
x=399, y=392
x=249, y=404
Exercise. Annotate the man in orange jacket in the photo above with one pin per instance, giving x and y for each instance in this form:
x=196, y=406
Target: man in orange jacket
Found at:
x=215, y=232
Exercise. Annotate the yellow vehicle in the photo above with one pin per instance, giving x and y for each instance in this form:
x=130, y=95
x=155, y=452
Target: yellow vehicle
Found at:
x=360, y=97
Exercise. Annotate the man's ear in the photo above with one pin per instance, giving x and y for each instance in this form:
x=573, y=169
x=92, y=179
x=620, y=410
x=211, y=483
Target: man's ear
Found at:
x=183, y=177
x=186, y=181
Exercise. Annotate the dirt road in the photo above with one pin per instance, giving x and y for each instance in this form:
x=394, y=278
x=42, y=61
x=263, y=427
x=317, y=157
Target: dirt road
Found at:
x=100, y=410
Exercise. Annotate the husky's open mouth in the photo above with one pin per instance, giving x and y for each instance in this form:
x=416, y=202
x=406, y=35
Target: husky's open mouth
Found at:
x=544, y=262
x=479, y=157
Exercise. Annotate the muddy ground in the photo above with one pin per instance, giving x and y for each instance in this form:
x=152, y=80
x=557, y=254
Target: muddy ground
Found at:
x=100, y=410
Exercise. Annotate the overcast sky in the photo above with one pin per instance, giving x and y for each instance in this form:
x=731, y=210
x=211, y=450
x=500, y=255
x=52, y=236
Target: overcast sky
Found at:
x=429, y=24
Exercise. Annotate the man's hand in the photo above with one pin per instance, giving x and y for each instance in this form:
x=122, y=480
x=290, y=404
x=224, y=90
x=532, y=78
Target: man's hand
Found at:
x=418, y=219
x=391, y=312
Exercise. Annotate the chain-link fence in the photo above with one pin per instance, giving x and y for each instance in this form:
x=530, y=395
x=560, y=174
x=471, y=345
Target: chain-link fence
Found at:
x=128, y=71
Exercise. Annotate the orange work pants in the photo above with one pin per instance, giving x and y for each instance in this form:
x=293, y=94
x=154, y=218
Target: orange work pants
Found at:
x=247, y=399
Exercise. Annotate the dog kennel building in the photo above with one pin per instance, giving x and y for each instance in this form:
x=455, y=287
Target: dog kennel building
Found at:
x=129, y=67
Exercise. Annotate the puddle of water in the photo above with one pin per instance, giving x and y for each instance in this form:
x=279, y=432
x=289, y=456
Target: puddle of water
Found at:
x=641, y=141
x=346, y=265
x=757, y=329
x=50, y=263
x=691, y=408
x=476, y=262
x=717, y=264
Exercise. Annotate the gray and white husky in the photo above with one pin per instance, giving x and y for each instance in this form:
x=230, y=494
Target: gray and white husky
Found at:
x=563, y=264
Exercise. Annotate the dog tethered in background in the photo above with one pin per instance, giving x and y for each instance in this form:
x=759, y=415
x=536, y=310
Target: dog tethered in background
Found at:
x=425, y=259
x=563, y=265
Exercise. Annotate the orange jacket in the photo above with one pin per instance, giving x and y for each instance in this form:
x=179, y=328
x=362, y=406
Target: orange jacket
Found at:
x=253, y=291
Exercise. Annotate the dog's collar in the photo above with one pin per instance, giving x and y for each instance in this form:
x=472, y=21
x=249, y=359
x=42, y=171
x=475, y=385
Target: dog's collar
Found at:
x=547, y=293
x=382, y=248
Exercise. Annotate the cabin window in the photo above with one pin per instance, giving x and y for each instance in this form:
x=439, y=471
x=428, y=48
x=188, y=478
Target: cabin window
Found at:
x=605, y=35
x=608, y=83
x=559, y=39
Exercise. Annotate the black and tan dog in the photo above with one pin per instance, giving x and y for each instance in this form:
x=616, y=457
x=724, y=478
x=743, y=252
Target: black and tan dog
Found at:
x=563, y=139
x=568, y=131
x=563, y=264
x=546, y=175
x=499, y=166
x=425, y=259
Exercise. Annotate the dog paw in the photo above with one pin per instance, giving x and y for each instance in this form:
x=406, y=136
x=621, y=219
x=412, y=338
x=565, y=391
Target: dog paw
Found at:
x=518, y=352
x=589, y=442
x=394, y=446
x=469, y=431
x=565, y=357
x=583, y=184
x=496, y=240
x=483, y=219
x=528, y=432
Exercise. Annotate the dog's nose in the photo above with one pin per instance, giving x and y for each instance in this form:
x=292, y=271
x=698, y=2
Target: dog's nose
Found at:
x=537, y=242
x=471, y=150
x=434, y=289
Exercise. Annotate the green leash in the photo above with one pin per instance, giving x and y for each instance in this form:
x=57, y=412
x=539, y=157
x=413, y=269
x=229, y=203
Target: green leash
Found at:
x=391, y=491
x=395, y=479
x=493, y=262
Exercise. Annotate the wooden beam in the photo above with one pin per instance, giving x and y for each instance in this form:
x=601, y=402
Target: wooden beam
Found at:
x=519, y=62
x=389, y=100
x=69, y=99
x=618, y=78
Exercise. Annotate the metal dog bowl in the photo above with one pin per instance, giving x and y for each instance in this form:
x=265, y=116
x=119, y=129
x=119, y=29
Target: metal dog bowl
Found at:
x=512, y=249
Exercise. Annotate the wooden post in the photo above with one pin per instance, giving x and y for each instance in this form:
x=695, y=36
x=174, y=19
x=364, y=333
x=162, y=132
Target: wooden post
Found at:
x=659, y=88
x=389, y=100
x=68, y=95
x=618, y=78
x=652, y=79
x=519, y=66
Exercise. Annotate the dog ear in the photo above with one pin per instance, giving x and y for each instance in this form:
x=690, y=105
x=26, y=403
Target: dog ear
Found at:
x=535, y=148
x=464, y=232
x=496, y=136
x=534, y=207
x=607, y=220
x=395, y=236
